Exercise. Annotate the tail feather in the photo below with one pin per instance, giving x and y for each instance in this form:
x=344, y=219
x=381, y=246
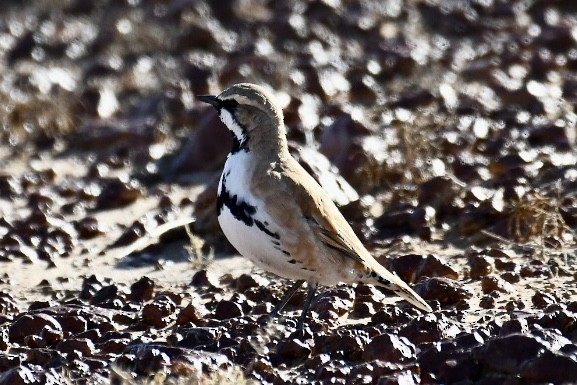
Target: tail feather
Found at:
x=380, y=276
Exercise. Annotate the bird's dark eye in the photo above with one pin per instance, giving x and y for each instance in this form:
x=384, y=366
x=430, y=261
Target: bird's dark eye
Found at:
x=228, y=104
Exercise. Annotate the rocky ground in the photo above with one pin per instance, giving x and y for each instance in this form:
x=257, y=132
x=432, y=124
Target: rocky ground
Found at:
x=450, y=126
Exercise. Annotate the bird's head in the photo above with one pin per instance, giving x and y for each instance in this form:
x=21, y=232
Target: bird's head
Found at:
x=248, y=110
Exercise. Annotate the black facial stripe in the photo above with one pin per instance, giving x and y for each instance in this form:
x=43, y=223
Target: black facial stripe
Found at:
x=229, y=104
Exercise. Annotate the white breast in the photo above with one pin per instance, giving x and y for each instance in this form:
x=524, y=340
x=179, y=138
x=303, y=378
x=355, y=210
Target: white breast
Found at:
x=262, y=248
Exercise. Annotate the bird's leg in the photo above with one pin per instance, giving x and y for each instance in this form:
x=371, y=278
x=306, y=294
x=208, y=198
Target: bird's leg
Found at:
x=286, y=297
x=311, y=290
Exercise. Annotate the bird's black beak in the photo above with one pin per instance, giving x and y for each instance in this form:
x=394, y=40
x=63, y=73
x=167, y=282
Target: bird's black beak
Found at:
x=210, y=99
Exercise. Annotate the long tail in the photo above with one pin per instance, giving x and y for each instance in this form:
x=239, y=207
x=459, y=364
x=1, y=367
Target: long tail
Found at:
x=380, y=276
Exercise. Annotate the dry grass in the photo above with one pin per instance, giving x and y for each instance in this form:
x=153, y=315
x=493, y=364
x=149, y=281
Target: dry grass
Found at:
x=413, y=157
x=31, y=114
x=191, y=376
x=198, y=257
x=536, y=218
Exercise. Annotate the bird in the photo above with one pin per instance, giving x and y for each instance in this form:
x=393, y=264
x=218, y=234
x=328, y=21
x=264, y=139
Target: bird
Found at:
x=275, y=213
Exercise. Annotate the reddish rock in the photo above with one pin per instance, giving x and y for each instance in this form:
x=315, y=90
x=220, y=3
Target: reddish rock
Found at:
x=131, y=234
x=460, y=368
x=438, y=192
x=88, y=228
x=511, y=277
x=141, y=290
x=412, y=267
x=72, y=324
x=227, y=309
x=515, y=326
x=106, y=293
x=188, y=314
x=446, y=291
x=506, y=354
x=346, y=346
x=514, y=305
x=31, y=324
x=487, y=302
x=289, y=352
x=118, y=193
x=329, y=305
x=492, y=283
x=541, y=300
x=199, y=336
x=204, y=278
x=159, y=312
x=82, y=345
x=430, y=328
x=550, y=367
x=480, y=266
x=389, y=347
x=8, y=304
x=114, y=345
x=537, y=270
x=391, y=315
x=248, y=281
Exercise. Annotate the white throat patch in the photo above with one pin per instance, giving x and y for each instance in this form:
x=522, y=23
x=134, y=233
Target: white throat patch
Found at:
x=232, y=125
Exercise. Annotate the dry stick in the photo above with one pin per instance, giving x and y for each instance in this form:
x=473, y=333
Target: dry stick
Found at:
x=151, y=236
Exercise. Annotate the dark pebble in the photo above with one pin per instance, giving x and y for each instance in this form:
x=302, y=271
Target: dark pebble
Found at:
x=141, y=290
x=31, y=324
x=389, y=347
x=227, y=309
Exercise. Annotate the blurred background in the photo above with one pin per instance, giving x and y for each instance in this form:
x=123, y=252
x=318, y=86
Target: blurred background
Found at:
x=395, y=93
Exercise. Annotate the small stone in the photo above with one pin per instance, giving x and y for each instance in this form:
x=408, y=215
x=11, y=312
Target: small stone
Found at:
x=203, y=278
x=493, y=283
x=227, y=309
x=31, y=324
x=506, y=354
x=514, y=305
x=248, y=281
x=106, y=293
x=511, y=277
x=188, y=314
x=444, y=290
x=480, y=266
x=514, y=326
x=413, y=267
x=430, y=328
x=117, y=193
x=389, y=347
x=289, y=352
x=347, y=346
x=550, y=367
x=541, y=300
x=159, y=313
x=88, y=228
x=487, y=302
x=82, y=345
x=532, y=271
x=141, y=290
